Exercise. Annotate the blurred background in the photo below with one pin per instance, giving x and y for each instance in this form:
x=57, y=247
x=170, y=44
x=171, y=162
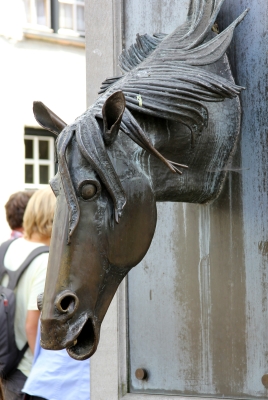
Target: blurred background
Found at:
x=42, y=47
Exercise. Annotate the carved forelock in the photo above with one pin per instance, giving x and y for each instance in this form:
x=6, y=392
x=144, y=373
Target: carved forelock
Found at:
x=64, y=140
x=91, y=145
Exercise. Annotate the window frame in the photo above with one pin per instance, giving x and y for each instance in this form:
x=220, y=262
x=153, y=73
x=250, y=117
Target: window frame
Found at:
x=75, y=4
x=36, y=162
x=33, y=16
x=53, y=17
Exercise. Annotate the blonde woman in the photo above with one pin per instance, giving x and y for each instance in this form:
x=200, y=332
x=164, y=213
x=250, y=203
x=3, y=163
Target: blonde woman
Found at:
x=37, y=224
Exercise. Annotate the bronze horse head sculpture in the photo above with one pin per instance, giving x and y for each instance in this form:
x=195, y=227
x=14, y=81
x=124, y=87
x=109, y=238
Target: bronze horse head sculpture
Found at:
x=175, y=108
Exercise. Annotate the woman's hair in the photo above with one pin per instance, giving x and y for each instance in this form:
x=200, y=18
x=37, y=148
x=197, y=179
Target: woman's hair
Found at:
x=15, y=208
x=1, y=391
x=39, y=214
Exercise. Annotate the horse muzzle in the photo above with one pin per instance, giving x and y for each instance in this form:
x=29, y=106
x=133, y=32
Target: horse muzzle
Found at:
x=79, y=337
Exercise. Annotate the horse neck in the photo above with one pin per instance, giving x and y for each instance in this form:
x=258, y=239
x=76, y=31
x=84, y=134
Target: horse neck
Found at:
x=173, y=141
x=207, y=157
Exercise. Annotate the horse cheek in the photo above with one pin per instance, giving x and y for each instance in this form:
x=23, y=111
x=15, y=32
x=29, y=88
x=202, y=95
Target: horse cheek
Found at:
x=130, y=240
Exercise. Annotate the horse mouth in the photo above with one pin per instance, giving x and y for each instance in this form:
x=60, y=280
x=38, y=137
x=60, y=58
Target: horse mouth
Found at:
x=85, y=343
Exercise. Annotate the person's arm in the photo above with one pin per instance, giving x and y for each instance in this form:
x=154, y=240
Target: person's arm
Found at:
x=36, y=287
x=31, y=326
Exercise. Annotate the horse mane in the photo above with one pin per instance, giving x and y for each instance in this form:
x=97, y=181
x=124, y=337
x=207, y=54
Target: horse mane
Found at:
x=163, y=75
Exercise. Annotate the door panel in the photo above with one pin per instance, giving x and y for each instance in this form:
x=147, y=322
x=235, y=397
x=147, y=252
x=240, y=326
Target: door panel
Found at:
x=187, y=303
x=198, y=320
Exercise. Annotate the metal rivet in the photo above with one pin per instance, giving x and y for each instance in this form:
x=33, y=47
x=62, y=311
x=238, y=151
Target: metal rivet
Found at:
x=264, y=380
x=141, y=374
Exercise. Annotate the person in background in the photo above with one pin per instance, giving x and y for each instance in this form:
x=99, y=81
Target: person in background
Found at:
x=15, y=208
x=37, y=224
x=57, y=376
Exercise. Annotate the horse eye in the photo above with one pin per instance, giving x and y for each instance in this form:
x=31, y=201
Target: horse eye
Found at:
x=88, y=191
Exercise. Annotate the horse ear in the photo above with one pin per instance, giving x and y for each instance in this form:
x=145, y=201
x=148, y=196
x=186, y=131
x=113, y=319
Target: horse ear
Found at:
x=47, y=119
x=112, y=112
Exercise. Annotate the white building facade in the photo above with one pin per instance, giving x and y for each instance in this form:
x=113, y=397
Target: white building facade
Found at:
x=42, y=50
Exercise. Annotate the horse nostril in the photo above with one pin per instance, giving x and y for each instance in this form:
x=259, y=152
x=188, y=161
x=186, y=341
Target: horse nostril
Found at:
x=67, y=302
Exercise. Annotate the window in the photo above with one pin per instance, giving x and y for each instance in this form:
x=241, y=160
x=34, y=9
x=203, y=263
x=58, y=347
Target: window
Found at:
x=39, y=159
x=60, y=16
x=38, y=12
x=72, y=15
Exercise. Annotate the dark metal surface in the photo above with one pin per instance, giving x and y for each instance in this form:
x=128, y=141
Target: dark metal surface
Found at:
x=177, y=101
x=203, y=285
